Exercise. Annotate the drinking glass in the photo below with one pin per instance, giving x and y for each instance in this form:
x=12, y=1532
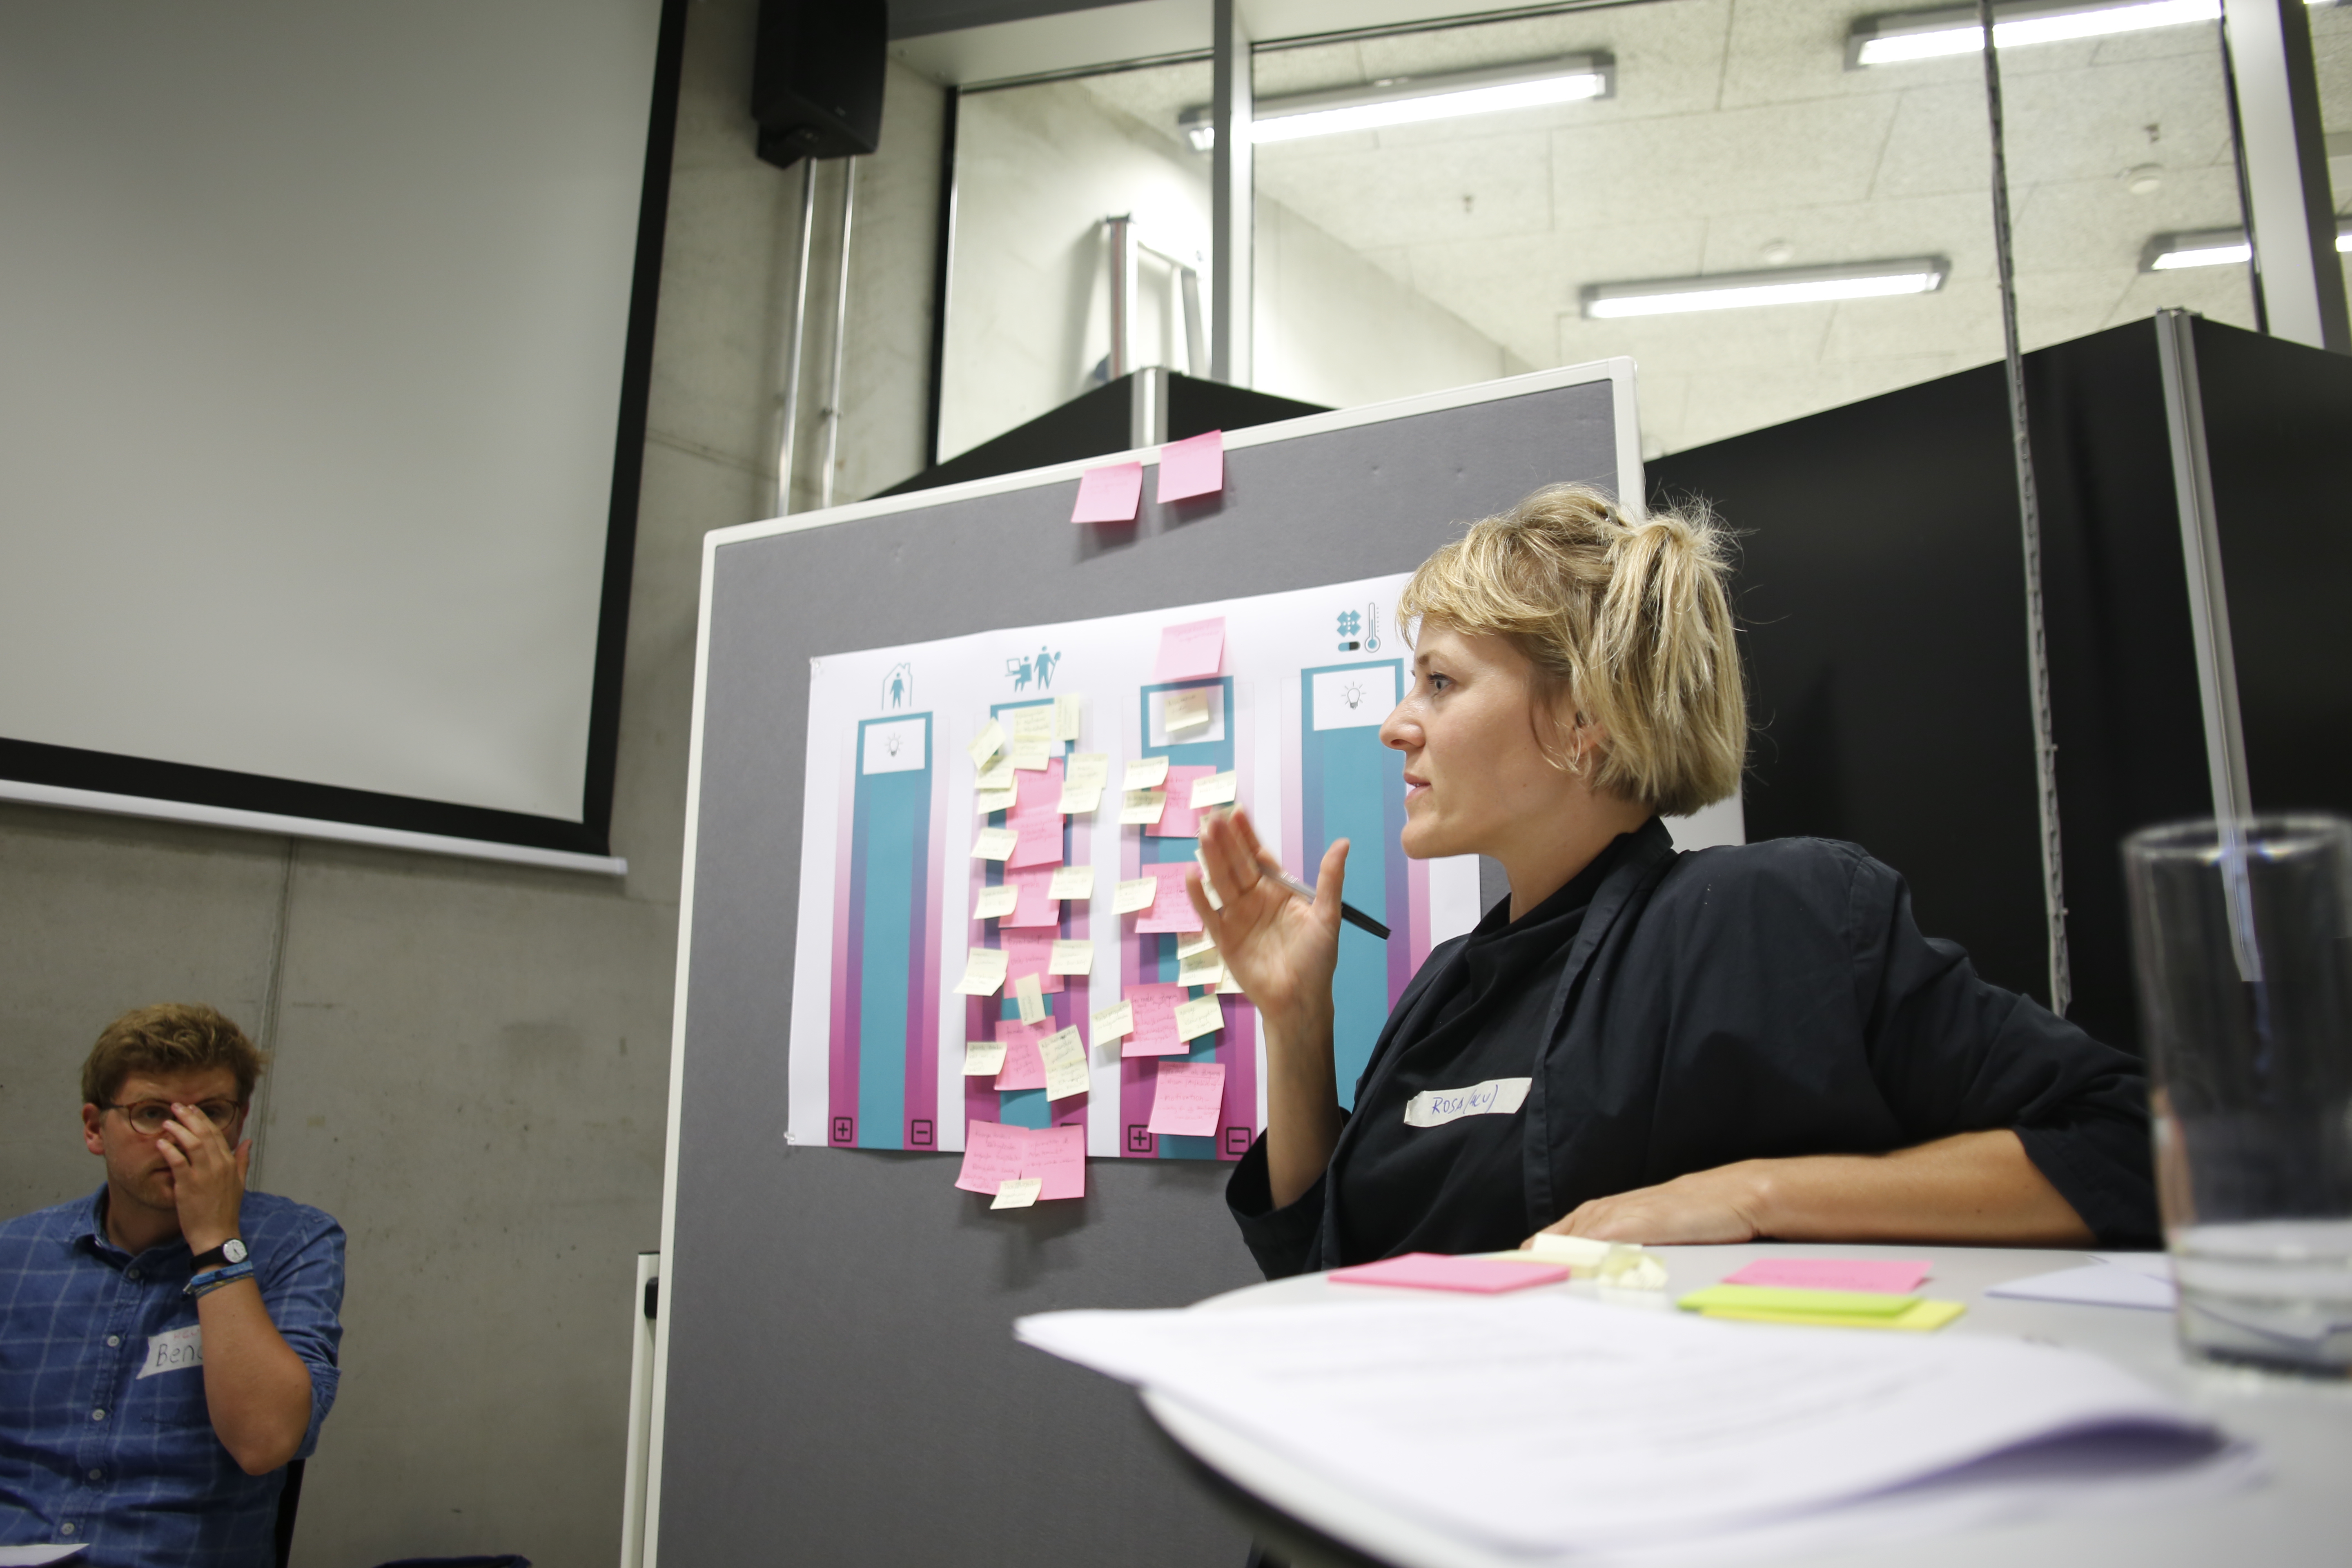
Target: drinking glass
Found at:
x=2242, y=942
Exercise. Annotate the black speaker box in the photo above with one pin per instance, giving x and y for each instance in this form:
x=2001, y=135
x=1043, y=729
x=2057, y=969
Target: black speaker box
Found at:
x=816, y=78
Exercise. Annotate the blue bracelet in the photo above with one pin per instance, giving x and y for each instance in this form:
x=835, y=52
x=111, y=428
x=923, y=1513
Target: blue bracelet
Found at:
x=203, y=1285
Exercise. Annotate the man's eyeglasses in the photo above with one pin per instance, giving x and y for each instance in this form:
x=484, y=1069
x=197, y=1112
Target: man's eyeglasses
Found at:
x=147, y=1118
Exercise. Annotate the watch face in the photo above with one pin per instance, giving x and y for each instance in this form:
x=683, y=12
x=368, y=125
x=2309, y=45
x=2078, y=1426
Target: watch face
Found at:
x=233, y=1250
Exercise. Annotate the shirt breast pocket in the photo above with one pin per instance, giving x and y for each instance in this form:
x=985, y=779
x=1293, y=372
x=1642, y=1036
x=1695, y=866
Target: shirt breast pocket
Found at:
x=169, y=1389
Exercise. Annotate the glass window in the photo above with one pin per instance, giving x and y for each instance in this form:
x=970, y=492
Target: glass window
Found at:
x=2331, y=49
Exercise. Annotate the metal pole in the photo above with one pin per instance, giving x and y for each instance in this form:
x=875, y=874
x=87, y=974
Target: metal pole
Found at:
x=1122, y=291
x=840, y=333
x=2289, y=211
x=1233, y=196
x=792, y=343
x=2028, y=511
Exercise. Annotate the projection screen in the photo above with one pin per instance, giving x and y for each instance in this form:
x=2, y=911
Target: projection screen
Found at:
x=324, y=332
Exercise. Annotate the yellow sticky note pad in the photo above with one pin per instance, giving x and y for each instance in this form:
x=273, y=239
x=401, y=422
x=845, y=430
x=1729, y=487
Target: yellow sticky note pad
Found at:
x=1788, y=1298
x=1142, y=808
x=986, y=744
x=1200, y=1015
x=1031, y=756
x=993, y=843
x=1017, y=1192
x=983, y=971
x=984, y=1059
x=1132, y=896
x=1088, y=770
x=1072, y=882
x=1029, y=995
x=1065, y=1056
x=1071, y=957
x=1920, y=1316
x=1216, y=789
x=1111, y=1023
x=1068, y=710
x=1148, y=773
x=995, y=903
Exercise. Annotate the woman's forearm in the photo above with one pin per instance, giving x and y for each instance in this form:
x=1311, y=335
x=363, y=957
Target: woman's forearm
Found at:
x=1974, y=1188
x=1302, y=1103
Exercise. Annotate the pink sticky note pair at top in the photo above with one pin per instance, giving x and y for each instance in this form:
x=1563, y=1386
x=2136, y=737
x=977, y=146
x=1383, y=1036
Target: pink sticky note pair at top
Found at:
x=1435, y=1271
x=1187, y=1098
x=1113, y=492
x=994, y=1153
x=1887, y=1276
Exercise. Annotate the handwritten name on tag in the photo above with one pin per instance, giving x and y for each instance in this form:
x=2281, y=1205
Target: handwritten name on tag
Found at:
x=174, y=1351
x=1495, y=1097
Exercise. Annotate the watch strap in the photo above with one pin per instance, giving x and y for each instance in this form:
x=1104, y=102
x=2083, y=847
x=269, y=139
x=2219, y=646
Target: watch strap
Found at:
x=233, y=1251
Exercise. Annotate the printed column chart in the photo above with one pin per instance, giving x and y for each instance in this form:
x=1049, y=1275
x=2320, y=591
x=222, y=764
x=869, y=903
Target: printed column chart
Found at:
x=884, y=1093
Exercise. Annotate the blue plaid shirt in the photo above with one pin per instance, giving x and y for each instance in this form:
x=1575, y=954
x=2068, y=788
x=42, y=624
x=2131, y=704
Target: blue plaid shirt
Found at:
x=95, y=1448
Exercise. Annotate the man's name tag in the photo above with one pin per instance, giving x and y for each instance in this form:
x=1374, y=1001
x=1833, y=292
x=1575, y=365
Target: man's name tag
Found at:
x=1495, y=1097
x=174, y=1351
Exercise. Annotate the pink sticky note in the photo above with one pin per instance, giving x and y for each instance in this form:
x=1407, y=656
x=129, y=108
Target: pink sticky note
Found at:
x=1435, y=1271
x=1155, y=1022
x=1889, y=1275
x=1193, y=466
x=1025, y=1066
x=1056, y=1156
x=991, y=1155
x=1035, y=908
x=1179, y=820
x=1187, y=1098
x=1171, y=907
x=1111, y=493
x=1028, y=955
x=1036, y=820
x=1192, y=651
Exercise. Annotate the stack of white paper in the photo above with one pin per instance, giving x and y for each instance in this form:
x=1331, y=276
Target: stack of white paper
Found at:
x=1548, y=1424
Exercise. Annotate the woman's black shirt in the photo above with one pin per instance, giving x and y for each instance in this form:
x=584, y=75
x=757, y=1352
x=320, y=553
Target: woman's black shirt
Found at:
x=1672, y=1012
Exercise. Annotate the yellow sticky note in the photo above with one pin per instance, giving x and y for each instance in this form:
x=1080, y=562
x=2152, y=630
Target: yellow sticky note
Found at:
x=988, y=801
x=1029, y=995
x=1087, y=769
x=1187, y=709
x=1111, y=1023
x=1229, y=986
x=1148, y=772
x=1071, y=957
x=1033, y=724
x=1078, y=799
x=1201, y=942
x=1143, y=807
x=1208, y=883
x=984, y=1059
x=1133, y=896
x=1031, y=756
x=1216, y=789
x=986, y=744
x=1919, y=1318
x=1068, y=710
x=993, y=843
x=1200, y=1015
x=983, y=971
x=1065, y=1056
x=1017, y=1192
x=1582, y=1254
x=1072, y=882
x=995, y=903
x=1201, y=969
x=998, y=775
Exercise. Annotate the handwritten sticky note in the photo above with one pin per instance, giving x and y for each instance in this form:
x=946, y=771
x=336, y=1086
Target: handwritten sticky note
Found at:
x=992, y=1157
x=993, y=843
x=1142, y=808
x=1030, y=997
x=984, y=1059
x=1072, y=882
x=988, y=802
x=1145, y=773
x=1017, y=1192
x=1077, y=800
x=1134, y=894
x=1201, y=969
x=1171, y=907
x=1179, y=820
x=1031, y=756
x=1109, y=493
x=1154, y=1016
x=1893, y=1276
x=1216, y=789
x=1031, y=953
x=1111, y=1023
x=983, y=971
x=1065, y=1056
x=1200, y=1015
x=1035, y=820
x=1193, y=467
x=1087, y=769
x=1034, y=908
x=1069, y=710
x=997, y=775
x=1193, y=944
x=986, y=744
x=1034, y=723
x=1185, y=709
x=1435, y=1271
x=995, y=903
x=1024, y=1067
x=1208, y=883
x=1072, y=958
x=1058, y=1156
x=1190, y=651
x=1188, y=1098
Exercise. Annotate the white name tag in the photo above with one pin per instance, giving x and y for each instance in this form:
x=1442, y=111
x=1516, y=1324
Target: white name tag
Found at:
x=174, y=1351
x=1495, y=1097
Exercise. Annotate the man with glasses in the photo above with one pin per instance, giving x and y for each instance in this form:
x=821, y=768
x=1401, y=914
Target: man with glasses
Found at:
x=168, y=1344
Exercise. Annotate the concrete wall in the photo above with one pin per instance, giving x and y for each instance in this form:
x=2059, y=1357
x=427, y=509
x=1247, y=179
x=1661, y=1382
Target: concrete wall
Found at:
x=472, y=1060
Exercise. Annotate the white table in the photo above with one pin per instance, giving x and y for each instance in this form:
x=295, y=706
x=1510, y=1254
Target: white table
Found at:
x=2302, y=1515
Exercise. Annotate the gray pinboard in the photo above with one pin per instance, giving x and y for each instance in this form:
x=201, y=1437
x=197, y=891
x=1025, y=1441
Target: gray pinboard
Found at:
x=842, y=1381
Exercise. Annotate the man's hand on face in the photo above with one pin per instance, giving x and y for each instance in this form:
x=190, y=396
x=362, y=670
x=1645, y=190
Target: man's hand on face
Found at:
x=207, y=1177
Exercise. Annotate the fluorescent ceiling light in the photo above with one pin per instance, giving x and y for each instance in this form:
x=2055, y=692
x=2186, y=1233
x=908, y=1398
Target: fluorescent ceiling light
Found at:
x=1409, y=100
x=1930, y=34
x=1781, y=286
x=2214, y=248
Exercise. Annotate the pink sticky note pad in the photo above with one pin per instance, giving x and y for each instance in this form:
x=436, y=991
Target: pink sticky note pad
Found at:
x=1192, y=651
x=991, y=1155
x=1035, y=817
x=1032, y=883
x=1111, y=493
x=1171, y=907
x=1025, y=953
x=1178, y=819
x=1193, y=467
x=1155, y=1022
x=1025, y=1066
x=1058, y=1156
x=1435, y=1271
x=1890, y=1276
x=1188, y=1098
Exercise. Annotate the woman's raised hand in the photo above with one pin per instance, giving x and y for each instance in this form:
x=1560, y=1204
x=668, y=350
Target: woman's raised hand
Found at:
x=1280, y=948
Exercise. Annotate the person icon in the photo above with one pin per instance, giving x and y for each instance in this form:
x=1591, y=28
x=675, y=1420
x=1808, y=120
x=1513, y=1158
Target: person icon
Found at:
x=1020, y=673
x=1046, y=660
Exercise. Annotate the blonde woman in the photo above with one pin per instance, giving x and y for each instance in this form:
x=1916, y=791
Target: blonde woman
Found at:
x=1642, y=1044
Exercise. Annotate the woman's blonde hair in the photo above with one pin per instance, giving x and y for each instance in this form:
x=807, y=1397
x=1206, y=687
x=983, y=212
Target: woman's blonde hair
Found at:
x=1632, y=621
